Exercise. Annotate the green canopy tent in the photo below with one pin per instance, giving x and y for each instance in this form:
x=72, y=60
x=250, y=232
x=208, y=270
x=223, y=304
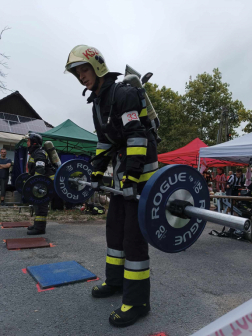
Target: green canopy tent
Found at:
x=69, y=138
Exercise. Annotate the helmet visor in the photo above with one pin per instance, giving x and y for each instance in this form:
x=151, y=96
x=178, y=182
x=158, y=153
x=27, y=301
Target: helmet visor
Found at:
x=70, y=66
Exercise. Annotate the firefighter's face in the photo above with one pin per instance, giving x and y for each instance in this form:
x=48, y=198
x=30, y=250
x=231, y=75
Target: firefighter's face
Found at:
x=86, y=74
x=28, y=143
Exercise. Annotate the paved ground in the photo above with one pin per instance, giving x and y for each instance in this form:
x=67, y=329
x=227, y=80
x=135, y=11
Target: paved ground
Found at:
x=189, y=289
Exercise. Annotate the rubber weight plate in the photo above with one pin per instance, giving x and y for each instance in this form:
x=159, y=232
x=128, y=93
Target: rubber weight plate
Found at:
x=38, y=190
x=20, y=181
x=160, y=228
x=70, y=191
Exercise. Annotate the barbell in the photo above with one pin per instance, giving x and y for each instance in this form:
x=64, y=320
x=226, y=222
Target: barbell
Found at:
x=173, y=206
x=36, y=190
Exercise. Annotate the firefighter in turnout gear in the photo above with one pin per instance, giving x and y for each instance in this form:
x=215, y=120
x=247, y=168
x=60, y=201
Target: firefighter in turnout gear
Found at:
x=125, y=136
x=38, y=164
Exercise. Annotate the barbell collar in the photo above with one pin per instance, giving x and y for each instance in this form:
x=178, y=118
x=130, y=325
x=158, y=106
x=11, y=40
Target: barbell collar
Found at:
x=234, y=222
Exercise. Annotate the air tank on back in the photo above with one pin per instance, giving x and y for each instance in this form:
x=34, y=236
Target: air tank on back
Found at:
x=52, y=153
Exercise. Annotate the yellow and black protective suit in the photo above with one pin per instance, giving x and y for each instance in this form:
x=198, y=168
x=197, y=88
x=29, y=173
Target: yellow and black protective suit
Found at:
x=125, y=137
x=39, y=164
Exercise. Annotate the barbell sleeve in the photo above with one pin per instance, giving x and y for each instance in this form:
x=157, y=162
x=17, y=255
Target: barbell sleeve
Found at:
x=234, y=222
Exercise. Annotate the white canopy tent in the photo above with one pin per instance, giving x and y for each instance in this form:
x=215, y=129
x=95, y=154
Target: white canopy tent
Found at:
x=238, y=150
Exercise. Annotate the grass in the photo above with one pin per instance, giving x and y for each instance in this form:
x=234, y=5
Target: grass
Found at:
x=12, y=214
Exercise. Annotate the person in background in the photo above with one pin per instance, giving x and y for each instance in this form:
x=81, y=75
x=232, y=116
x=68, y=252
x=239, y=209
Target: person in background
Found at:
x=5, y=164
x=207, y=176
x=210, y=188
x=229, y=174
x=38, y=164
x=235, y=182
x=220, y=180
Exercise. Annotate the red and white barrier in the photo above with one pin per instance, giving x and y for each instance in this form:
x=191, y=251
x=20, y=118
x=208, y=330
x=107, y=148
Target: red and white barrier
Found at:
x=237, y=322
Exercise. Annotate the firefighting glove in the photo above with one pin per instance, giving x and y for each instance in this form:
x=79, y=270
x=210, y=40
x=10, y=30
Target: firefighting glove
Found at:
x=97, y=182
x=129, y=190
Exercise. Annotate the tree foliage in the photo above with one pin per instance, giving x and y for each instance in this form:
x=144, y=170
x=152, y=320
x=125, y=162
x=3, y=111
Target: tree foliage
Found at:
x=173, y=121
x=196, y=113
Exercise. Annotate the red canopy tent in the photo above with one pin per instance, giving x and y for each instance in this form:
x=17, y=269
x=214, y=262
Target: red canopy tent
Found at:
x=189, y=155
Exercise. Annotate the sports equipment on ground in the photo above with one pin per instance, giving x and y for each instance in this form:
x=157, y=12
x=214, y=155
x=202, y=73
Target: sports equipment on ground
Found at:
x=173, y=206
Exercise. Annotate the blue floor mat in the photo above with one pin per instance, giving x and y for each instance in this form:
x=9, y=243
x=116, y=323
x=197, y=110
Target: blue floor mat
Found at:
x=58, y=274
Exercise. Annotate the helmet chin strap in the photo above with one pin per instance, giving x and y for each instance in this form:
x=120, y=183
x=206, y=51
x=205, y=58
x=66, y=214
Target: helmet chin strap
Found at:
x=96, y=84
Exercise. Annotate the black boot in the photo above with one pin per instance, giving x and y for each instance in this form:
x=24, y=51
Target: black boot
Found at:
x=31, y=227
x=128, y=315
x=104, y=290
x=35, y=231
x=39, y=227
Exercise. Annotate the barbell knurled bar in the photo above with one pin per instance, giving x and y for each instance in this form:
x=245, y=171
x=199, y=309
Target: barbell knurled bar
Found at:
x=116, y=192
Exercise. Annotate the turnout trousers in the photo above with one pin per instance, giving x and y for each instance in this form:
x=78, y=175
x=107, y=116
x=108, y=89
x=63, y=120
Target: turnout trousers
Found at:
x=41, y=212
x=127, y=262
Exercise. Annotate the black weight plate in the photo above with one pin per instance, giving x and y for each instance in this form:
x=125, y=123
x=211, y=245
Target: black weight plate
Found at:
x=156, y=223
x=69, y=191
x=33, y=186
x=21, y=179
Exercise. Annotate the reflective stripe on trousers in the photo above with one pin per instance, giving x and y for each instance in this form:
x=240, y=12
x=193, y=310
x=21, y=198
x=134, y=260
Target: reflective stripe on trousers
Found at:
x=136, y=270
x=115, y=257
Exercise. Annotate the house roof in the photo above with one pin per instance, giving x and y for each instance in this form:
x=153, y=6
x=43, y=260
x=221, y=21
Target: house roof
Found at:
x=18, y=94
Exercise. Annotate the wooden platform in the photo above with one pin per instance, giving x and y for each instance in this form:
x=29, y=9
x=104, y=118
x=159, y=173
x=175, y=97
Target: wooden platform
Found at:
x=8, y=225
x=26, y=243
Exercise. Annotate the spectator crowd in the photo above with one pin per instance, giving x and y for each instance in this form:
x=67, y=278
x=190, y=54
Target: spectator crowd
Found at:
x=229, y=184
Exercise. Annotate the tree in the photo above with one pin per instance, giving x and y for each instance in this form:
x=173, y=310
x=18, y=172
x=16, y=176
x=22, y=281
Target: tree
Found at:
x=196, y=113
x=3, y=64
x=173, y=124
x=206, y=99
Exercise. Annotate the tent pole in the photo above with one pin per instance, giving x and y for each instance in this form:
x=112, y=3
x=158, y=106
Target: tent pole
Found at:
x=199, y=164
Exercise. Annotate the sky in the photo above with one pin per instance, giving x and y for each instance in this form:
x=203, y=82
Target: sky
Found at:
x=172, y=39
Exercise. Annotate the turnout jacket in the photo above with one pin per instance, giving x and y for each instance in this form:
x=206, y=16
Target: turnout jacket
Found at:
x=124, y=134
x=39, y=163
